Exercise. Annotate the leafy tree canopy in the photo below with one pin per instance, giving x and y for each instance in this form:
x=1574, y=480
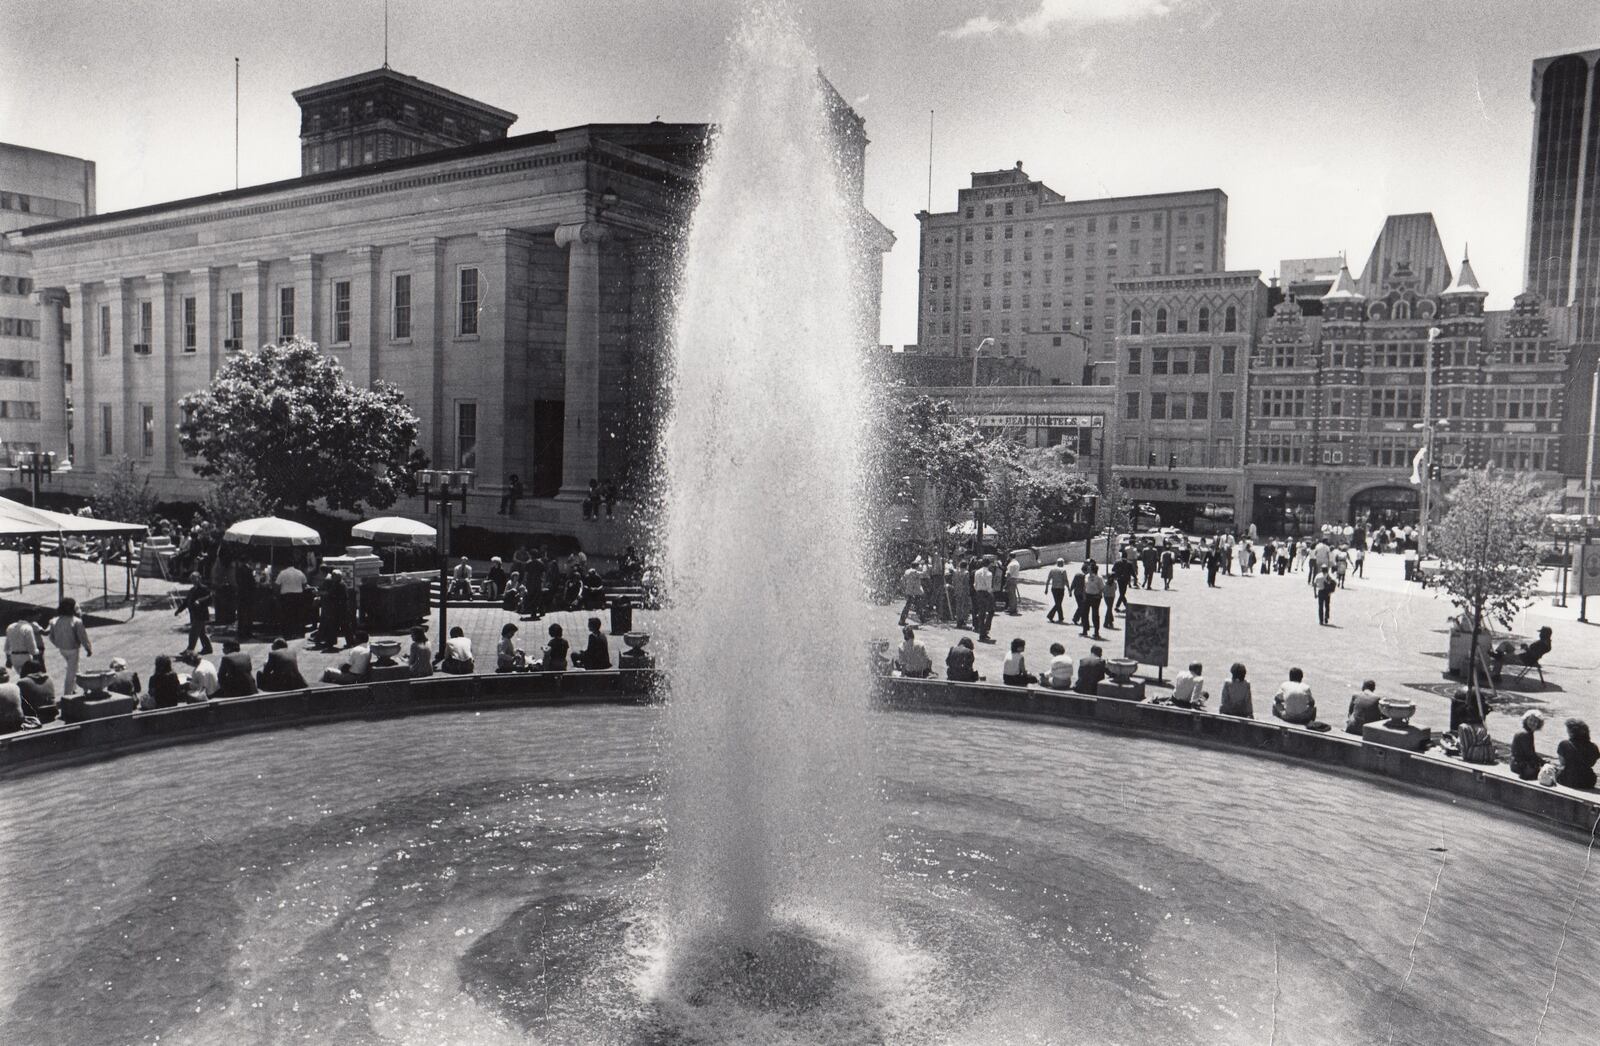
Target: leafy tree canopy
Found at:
x=123, y=494
x=286, y=418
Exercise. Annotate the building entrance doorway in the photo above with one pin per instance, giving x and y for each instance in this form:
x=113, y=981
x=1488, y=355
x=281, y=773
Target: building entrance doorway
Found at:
x=1394, y=506
x=1283, y=511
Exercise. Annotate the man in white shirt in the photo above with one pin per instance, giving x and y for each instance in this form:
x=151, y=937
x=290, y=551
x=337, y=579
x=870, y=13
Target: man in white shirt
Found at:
x=1013, y=578
x=357, y=663
x=1293, y=702
x=1188, y=690
x=22, y=643
x=983, y=599
x=291, y=584
x=203, y=678
x=1059, y=676
x=912, y=658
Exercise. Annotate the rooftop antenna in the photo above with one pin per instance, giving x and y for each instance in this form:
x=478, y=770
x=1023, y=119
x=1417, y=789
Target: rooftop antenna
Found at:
x=236, y=121
x=386, y=34
x=930, y=161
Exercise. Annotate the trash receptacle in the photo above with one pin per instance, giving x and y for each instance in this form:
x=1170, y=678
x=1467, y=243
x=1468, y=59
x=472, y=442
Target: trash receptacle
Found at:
x=621, y=617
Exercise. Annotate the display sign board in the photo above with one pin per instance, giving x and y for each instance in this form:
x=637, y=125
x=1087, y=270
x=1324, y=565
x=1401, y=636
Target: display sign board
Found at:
x=1041, y=421
x=1588, y=566
x=1146, y=631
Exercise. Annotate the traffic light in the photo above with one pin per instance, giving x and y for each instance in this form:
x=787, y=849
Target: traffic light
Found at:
x=1152, y=459
x=1435, y=471
x=1172, y=461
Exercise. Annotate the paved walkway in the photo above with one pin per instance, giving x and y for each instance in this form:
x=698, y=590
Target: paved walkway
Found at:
x=1384, y=628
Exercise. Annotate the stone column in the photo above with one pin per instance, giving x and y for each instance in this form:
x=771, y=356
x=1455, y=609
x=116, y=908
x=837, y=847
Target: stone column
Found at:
x=307, y=299
x=365, y=323
x=84, y=431
x=580, y=449
x=257, y=306
x=430, y=330
x=501, y=357
x=52, y=374
x=207, y=341
x=156, y=388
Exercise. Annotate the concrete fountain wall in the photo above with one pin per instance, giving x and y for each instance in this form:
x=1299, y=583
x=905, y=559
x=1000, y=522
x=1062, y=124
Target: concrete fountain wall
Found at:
x=59, y=746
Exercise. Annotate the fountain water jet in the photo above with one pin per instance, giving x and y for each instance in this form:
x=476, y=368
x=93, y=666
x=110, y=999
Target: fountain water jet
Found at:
x=769, y=784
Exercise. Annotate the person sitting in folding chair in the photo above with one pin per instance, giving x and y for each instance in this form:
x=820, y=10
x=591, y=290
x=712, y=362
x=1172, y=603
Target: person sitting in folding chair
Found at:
x=1527, y=658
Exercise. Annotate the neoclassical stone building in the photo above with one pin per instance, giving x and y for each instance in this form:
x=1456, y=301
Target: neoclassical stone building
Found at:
x=515, y=288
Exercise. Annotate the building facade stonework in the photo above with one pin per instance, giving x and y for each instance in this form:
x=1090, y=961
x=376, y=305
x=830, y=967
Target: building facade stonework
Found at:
x=1016, y=261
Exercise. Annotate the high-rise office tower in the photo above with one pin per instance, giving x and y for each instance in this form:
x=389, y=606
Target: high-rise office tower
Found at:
x=1563, y=253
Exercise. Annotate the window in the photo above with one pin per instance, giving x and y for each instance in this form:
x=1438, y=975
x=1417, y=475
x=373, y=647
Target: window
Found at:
x=105, y=330
x=402, y=305
x=285, y=313
x=1131, y=407
x=18, y=369
x=341, y=312
x=1227, y=359
x=1161, y=321
x=1009, y=230
x=1230, y=319
x=146, y=323
x=1199, y=406
x=147, y=429
x=467, y=314
x=466, y=435
x=1202, y=359
x=1006, y=255
x=1009, y=212
x=1180, y=361
x=1158, y=360
x=191, y=320
x=1225, y=405
x=1521, y=403
x=1158, y=405
x=1203, y=320
x=1088, y=226
x=1178, y=408
x=966, y=236
x=1183, y=323
x=1283, y=403
x=26, y=410
x=107, y=436
x=1136, y=360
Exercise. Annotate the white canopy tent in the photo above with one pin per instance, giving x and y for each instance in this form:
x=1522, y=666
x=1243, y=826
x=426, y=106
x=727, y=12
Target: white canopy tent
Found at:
x=19, y=520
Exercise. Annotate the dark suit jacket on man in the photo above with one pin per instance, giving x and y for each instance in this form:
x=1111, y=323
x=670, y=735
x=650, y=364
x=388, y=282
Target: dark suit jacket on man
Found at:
x=1091, y=671
x=235, y=675
x=282, y=672
x=596, y=655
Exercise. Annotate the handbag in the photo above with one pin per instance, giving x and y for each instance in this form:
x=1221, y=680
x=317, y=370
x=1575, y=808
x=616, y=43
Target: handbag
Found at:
x=1547, y=774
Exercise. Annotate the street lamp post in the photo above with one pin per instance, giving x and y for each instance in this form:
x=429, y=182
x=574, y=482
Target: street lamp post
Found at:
x=36, y=467
x=445, y=486
x=978, y=507
x=977, y=351
x=1427, y=445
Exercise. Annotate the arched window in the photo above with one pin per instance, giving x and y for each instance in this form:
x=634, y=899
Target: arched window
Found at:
x=1402, y=310
x=1136, y=321
x=1230, y=319
x=1161, y=321
x=1203, y=320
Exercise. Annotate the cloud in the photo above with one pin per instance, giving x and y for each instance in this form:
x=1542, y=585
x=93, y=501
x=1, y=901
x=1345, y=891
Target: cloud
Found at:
x=1052, y=13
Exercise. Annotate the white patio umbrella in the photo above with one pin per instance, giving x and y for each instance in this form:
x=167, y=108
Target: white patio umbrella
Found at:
x=395, y=531
x=271, y=533
x=966, y=528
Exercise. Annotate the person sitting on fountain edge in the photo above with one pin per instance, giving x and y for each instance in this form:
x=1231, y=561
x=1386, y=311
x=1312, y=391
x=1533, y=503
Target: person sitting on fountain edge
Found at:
x=1293, y=702
x=1059, y=677
x=1015, y=672
x=282, y=670
x=1091, y=672
x=1363, y=708
x=356, y=666
x=958, y=663
x=912, y=658
x=596, y=655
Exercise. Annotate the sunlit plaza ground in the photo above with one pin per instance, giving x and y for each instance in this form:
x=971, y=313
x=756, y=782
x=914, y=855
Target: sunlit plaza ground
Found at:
x=1384, y=628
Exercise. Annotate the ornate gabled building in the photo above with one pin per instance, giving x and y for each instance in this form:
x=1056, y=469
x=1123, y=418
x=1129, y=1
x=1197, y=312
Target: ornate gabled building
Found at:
x=1338, y=401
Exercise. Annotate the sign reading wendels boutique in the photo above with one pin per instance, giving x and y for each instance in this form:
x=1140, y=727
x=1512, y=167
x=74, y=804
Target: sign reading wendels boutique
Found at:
x=1179, y=488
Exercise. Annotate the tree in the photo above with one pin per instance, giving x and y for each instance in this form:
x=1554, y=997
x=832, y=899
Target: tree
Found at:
x=922, y=447
x=286, y=418
x=124, y=494
x=1035, y=498
x=233, y=498
x=1485, y=543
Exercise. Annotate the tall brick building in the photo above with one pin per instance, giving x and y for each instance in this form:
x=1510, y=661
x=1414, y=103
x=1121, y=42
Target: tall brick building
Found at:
x=1019, y=262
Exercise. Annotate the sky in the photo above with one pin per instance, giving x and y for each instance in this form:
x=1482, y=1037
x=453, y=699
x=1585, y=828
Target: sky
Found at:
x=1317, y=118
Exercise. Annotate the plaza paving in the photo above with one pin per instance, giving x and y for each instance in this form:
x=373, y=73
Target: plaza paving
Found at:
x=1383, y=628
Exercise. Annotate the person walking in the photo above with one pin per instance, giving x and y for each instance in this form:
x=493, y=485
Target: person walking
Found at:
x=197, y=602
x=1323, y=585
x=70, y=638
x=1125, y=571
x=24, y=643
x=1056, y=581
x=1079, y=595
x=983, y=599
x=1094, y=587
x=958, y=580
x=912, y=587
x=1213, y=564
x=1358, y=561
x=1149, y=558
x=1169, y=563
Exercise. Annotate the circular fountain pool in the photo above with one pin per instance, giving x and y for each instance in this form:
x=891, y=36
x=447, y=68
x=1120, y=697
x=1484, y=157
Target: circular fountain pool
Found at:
x=491, y=879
